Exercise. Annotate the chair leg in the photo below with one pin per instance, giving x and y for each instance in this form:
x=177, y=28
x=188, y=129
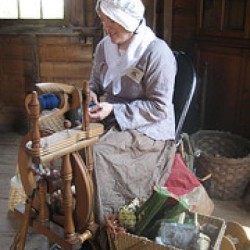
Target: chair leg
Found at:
x=20, y=238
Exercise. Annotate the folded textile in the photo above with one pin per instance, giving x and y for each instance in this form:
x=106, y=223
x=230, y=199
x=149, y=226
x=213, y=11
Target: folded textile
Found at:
x=181, y=180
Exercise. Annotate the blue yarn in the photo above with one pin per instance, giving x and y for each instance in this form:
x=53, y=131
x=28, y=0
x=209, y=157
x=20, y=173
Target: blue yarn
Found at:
x=49, y=101
x=91, y=104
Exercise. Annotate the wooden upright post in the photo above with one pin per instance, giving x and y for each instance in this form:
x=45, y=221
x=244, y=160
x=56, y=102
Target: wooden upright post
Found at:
x=33, y=109
x=89, y=162
x=66, y=174
x=43, y=206
x=85, y=106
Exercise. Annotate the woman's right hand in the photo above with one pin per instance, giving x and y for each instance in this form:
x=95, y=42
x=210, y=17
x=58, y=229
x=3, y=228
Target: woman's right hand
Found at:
x=100, y=111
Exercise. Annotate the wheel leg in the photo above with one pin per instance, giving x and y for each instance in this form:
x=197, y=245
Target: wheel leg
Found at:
x=20, y=238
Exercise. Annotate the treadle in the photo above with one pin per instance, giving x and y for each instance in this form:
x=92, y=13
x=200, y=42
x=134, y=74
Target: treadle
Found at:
x=51, y=230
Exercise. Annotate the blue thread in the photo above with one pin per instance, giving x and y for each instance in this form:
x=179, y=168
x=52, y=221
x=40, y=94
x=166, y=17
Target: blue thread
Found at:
x=91, y=104
x=49, y=101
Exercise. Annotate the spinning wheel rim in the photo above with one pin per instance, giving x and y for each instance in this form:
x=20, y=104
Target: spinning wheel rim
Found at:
x=84, y=193
x=82, y=181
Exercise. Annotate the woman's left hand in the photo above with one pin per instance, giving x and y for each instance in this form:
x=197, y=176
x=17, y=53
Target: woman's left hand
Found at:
x=100, y=111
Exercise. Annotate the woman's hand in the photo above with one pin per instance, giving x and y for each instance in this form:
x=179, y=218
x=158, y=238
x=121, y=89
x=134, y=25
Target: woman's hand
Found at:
x=93, y=97
x=100, y=111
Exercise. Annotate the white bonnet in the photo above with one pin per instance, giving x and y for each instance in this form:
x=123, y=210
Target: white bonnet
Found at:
x=128, y=13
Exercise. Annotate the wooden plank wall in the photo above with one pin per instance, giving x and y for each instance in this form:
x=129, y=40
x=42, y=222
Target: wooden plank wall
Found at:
x=27, y=59
x=64, y=59
x=16, y=69
x=184, y=25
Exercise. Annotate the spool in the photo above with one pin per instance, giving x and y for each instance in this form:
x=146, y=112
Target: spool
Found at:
x=49, y=101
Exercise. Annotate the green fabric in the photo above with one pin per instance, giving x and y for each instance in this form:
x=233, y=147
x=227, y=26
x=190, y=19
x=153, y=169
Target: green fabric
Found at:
x=160, y=206
x=186, y=151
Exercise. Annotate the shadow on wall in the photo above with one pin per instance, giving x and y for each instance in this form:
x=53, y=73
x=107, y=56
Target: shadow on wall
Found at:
x=13, y=121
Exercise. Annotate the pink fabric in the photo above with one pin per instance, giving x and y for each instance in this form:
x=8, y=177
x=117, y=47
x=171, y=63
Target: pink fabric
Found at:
x=181, y=180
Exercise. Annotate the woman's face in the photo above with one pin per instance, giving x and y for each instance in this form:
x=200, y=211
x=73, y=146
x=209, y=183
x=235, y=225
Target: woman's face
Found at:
x=117, y=33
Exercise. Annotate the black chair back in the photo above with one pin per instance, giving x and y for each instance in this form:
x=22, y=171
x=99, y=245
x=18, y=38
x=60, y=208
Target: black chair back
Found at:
x=185, y=85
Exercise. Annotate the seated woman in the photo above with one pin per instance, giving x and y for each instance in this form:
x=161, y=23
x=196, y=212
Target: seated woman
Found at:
x=135, y=72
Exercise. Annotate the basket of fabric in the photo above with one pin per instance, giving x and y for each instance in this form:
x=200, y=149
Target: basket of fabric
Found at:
x=163, y=221
x=226, y=157
x=123, y=240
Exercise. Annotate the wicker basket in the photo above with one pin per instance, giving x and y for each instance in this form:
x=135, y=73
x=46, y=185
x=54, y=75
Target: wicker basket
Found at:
x=133, y=242
x=227, y=158
x=227, y=244
x=17, y=195
x=236, y=233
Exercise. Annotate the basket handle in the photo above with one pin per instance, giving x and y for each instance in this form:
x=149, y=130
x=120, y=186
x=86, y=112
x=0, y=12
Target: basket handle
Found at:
x=205, y=178
x=197, y=154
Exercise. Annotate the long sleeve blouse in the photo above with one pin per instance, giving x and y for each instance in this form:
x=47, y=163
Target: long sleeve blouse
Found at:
x=145, y=100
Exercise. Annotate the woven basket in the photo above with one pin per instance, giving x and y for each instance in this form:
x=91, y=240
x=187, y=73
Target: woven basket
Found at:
x=227, y=244
x=126, y=241
x=236, y=233
x=52, y=119
x=17, y=194
x=227, y=158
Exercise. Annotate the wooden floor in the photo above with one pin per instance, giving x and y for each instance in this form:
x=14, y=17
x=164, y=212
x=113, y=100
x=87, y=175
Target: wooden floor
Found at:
x=9, y=225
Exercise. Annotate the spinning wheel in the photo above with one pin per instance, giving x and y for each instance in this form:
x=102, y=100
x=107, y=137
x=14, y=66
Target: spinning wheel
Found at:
x=60, y=197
